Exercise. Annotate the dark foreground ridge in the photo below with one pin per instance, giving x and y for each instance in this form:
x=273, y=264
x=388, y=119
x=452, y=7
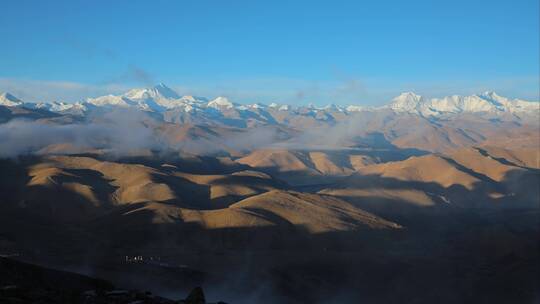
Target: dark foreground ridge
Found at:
x=26, y=283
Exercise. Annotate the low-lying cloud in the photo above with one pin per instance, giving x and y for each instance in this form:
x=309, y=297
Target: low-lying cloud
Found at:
x=118, y=132
x=123, y=132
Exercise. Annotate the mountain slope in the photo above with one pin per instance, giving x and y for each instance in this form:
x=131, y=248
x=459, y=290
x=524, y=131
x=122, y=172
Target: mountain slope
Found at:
x=9, y=100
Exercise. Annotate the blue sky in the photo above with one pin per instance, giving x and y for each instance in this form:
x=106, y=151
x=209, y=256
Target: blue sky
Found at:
x=343, y=52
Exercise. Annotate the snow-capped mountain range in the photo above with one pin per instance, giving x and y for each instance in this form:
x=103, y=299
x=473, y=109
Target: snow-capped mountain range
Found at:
x=488, y=102
x=162, y=99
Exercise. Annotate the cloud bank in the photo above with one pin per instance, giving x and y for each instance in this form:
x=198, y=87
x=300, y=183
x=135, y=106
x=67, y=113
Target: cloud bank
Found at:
x=118, y=132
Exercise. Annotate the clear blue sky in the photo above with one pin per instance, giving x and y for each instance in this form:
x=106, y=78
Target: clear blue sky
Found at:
x=290, y=51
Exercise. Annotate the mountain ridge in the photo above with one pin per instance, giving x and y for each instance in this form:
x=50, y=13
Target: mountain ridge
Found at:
x=161, y=98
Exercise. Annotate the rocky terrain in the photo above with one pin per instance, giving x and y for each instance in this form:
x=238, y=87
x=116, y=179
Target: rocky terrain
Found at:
x=419, y=201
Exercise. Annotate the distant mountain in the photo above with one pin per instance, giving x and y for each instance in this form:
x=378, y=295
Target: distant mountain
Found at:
x=488, y=102
x=59, y=107
x=166, y=103
x=159, y=98
x=159, y=91
x=182, y=191
x=221, y=103
x=9, y=100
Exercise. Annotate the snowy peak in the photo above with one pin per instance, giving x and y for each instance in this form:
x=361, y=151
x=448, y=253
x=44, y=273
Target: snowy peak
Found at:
x=408, y=96
x=353, y=108
x=487, y=102
x=334, y=108
x=192, y=99
x=110, y=100
x=406, y=102
x=220, y=103
x=60, y=107
x=257, y=105
x=164, y=91
x=159, y=91
x=159, y=98
x=279, y=107
x=490, y=95
x=6, y=99
x=162, y=99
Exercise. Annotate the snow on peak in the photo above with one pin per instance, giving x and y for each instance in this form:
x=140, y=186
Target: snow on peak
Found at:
x=334, y=107
x=110, y=100
x=220, y=102
x=161, y=98
x=408, y=97
x=279, y=107
x=354, y=108
x=164, y=91
x=257, y=106
x=406, y=102
x=158, y=98
x=159, y=91
x=6, y=99
x=487, y=102
x=284, y=108
x=60, y=107
x=490, y=94
x=192, y=99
